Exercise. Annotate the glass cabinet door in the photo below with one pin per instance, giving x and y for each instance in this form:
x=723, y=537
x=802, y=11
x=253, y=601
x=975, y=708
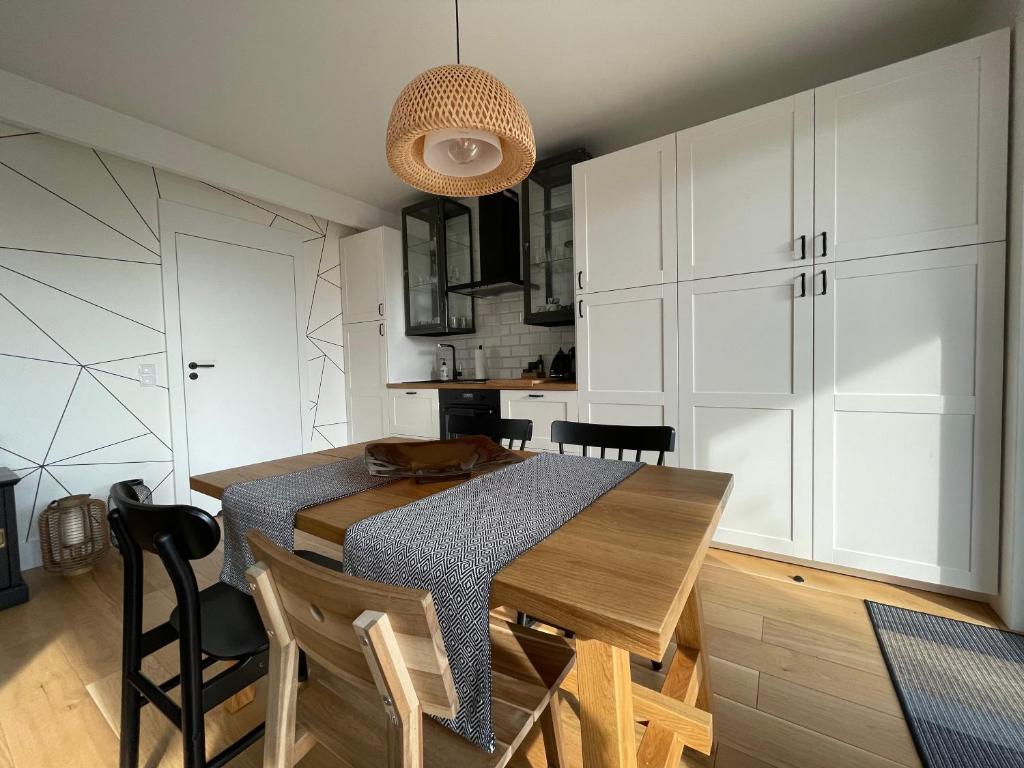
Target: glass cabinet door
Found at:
x=438, y=244
x=458, y=249
x=547, y=241
x=423, y=300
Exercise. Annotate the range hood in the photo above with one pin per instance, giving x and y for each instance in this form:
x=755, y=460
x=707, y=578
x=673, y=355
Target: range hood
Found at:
x=500, y=265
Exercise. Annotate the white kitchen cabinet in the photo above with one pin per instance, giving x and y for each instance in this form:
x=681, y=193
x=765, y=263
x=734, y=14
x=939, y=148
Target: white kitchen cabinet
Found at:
x=414, y=413
x=624, y=227
x=908, y=395
x=912, y=156
x=745, y=190
x=745, y=401
x=366, y=374
x=627, y=353
x=541, y=408
x=363, y=286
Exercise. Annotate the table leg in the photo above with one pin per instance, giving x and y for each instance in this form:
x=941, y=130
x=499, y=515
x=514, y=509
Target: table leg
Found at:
x=690, y=637
x=606, y=705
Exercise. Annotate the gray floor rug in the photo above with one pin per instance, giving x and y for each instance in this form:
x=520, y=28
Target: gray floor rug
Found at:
x=961, y=687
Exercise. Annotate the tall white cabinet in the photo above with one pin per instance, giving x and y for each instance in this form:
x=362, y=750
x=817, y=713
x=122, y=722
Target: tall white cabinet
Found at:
x=838, y=325
x=376, y=347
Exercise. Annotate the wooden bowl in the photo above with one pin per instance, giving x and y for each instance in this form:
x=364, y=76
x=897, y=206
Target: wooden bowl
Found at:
x=430, y=460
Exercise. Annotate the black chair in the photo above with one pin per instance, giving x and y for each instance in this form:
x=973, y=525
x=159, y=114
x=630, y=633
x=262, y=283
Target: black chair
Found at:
x=214, y=624
x=492, y=427
x=615, y=437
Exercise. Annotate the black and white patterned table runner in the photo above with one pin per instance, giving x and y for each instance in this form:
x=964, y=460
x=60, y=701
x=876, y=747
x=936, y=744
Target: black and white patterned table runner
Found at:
x=454, y=542
x=270, y=504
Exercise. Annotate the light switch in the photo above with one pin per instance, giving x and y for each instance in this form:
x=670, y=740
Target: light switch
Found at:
x=147, y=375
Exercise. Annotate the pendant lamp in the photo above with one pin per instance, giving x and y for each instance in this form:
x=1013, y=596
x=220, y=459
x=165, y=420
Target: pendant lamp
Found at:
x=459, y=131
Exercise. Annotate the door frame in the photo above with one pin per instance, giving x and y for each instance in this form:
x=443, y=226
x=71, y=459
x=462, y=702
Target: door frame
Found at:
x=176, y=219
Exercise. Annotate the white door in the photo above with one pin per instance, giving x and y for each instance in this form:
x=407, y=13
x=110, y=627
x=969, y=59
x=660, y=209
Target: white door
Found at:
x=908, y=399
x=745, y=401
x=234, y=354
x=912, y=156
x=541, y=408
x=624, y=209
x=366, y=366
x=414, y=413
x=362, y=259
x=626, y=346
x=746, y=190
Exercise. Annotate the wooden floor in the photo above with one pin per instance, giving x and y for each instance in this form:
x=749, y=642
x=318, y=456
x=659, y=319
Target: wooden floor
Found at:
x=798, y=677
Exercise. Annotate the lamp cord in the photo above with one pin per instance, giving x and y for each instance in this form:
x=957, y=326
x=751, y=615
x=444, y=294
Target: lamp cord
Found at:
x=458, y=52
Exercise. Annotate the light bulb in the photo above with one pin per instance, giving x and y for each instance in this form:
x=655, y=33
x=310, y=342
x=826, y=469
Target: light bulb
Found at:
x=463, y=151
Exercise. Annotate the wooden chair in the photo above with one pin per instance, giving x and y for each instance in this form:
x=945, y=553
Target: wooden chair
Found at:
x=493, y=427
x=377, y=664
x=215, y=624
x=614, y=436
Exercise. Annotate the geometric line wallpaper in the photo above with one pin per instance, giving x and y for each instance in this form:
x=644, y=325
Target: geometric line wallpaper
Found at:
x=81, y=307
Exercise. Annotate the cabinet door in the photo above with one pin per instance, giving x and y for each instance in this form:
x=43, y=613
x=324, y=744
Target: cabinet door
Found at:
x=362, y=258
x=541, y=408
x=414, y=412
x=908, y=400
x=366, y=363
x=745, y=401
x=912, y=156
x=626, y=345
x=624, y=208
x=745, y=190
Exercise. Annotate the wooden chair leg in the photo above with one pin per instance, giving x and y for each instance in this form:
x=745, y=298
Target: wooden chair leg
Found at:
x=551, y=727
x=282, y=674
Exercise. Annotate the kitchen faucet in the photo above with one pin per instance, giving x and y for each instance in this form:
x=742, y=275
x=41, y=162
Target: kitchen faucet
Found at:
x=439, y=355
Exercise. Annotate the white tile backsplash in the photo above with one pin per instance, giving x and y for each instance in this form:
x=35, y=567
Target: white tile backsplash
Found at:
x=508, y=344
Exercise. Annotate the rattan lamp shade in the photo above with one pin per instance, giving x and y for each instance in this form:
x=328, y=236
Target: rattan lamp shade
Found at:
x=459, y=96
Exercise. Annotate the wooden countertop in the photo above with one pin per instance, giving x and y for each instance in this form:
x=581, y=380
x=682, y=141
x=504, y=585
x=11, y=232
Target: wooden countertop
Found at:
x=548, y=384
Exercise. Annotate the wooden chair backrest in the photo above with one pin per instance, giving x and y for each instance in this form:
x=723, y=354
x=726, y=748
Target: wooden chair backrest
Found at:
x=494, y=427
x=614, y=436
x=320, y=606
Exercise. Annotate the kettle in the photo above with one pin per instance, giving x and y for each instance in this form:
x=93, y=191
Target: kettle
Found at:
x=562, y=365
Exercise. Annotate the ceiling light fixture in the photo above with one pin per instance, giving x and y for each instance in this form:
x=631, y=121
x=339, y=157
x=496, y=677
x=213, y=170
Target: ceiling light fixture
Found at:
x=459, y=131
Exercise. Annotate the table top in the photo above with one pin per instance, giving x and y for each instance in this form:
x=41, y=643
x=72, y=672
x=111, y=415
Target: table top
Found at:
x=620, y=571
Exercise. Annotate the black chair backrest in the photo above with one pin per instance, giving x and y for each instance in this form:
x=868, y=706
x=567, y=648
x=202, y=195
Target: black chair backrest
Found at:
x=194, y=532
x=492, y=427
x=614, y=436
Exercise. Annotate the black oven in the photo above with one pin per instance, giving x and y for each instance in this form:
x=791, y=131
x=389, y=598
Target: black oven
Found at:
x=468, y=402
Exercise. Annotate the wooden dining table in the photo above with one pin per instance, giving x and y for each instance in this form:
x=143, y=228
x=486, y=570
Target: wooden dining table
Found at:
x=621, y=575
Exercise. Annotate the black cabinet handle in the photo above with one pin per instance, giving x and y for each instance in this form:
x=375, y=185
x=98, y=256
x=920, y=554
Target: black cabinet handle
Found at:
x=380, y=329
x=193, y=366
x=803, y=284
x=824, y=282
x=579, y=279
x=581, y=309
x=410, y=393
x=824, y=244
x=380, y=309
x=803, y=247
x=533, y=395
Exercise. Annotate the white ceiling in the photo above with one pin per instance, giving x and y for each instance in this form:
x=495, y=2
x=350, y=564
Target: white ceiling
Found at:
x=306, y=86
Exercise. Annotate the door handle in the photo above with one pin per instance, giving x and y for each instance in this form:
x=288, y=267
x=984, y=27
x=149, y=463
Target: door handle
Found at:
x=579, y=279
x=380, y=329
x=803, y=246
x=193, y=366
x=380, y=309
x=824, y=282
x=581, y=309
x=803, y=284
x=824, y=244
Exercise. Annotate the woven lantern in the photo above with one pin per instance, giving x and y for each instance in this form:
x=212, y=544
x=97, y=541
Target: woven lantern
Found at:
x=73, y=534
x=459, y=131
